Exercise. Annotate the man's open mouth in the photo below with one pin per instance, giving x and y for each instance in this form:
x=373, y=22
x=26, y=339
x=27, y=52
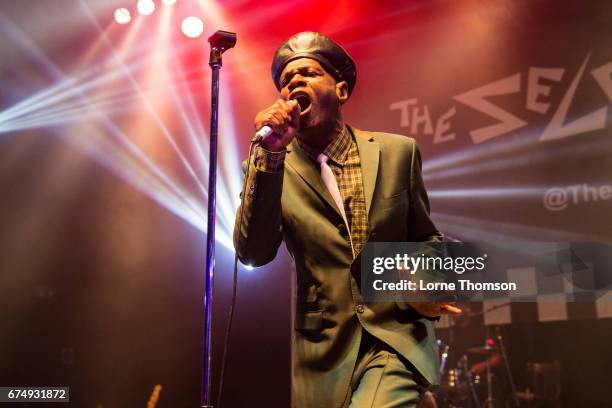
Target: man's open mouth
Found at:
x=303, y=100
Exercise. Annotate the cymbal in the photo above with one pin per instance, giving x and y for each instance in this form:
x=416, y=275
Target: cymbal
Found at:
x=486, y=350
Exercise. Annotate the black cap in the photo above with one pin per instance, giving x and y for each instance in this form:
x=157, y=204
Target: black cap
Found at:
x=332, y=57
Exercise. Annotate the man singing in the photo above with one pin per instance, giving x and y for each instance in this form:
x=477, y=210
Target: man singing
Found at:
x=326, y=189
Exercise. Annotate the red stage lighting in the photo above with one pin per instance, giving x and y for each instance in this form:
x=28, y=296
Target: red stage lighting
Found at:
x=122, y=16
x=192, y=27
x=145, y=7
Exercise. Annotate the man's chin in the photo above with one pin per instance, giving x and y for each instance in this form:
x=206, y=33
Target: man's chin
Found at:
x=307, y=135
x=306, y=123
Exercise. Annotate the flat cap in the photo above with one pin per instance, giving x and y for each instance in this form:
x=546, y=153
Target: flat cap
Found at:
x=332, y=57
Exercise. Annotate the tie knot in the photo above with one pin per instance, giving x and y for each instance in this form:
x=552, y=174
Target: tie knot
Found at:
x=322, y=158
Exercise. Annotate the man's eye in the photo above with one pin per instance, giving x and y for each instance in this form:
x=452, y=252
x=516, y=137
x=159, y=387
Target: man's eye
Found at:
x=286, y=80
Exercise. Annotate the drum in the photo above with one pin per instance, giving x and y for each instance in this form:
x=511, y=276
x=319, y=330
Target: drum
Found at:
x=457, y=389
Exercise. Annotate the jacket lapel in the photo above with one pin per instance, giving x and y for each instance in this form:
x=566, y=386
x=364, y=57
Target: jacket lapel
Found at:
x=309, y=172
x=369, y=153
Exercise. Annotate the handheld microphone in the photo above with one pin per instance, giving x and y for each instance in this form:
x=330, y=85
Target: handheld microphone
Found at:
x=265, y=130
x=262, y=133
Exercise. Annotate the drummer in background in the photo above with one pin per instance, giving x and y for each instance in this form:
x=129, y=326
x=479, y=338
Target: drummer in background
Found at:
x=481, y=368
x=468, y=331
x=467, y=319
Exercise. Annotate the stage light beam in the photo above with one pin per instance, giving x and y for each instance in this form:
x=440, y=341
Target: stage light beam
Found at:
x=192, y=27
x=122, y=16
x=66, y=103
x=169, y=2
x=145, y=7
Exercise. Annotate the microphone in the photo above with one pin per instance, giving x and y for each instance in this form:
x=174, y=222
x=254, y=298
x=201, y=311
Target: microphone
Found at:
x=262, y=133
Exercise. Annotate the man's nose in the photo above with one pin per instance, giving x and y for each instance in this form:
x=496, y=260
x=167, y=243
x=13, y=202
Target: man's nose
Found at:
x=296, y=82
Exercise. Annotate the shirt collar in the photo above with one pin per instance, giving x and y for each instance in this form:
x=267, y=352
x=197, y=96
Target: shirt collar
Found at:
x=336, y=150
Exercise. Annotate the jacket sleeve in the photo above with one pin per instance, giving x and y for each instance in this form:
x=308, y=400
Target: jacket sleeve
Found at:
x=420, y=226
x=257, y=232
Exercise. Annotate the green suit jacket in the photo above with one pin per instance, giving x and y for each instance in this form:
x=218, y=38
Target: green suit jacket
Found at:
x=295, y=206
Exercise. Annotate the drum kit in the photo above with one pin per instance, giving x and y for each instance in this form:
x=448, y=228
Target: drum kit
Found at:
x=460, y=387
x=464, y=386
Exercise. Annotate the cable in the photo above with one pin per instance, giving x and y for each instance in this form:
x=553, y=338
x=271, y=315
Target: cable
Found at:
x=228, y=330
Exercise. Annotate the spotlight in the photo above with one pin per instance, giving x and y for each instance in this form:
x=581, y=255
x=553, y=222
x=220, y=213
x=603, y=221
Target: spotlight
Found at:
x=169, y=2
x=192, y=27
x=145, y=7
x=122, y=16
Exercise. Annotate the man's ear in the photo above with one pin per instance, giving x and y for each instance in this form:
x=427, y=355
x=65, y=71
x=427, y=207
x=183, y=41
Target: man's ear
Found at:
x=342, y=92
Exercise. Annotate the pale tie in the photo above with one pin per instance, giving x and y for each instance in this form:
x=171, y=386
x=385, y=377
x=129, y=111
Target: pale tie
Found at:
x=332, y=186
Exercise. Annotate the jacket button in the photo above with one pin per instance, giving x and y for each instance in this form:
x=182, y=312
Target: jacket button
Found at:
x=360, y=308
x=251, y=193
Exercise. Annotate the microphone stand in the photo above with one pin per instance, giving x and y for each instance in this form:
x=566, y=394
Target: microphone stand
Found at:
x=219, y=43
x=502, y=346
x=468, y=373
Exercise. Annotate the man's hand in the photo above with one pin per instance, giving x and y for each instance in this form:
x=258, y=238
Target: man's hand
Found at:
x=429, y=309
x=284, y=119
x=434, y=309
